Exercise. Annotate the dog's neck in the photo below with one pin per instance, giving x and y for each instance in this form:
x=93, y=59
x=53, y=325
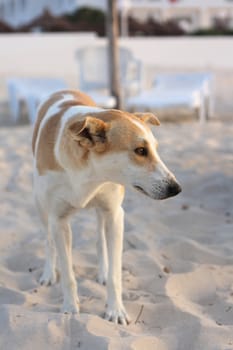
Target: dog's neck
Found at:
x=84, y=185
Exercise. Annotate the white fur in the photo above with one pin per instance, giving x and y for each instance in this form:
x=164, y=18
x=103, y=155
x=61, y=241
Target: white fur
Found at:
x=60, y=194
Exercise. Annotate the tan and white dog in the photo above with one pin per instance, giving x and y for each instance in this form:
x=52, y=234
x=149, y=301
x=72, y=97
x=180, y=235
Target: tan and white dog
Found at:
x=83, y=157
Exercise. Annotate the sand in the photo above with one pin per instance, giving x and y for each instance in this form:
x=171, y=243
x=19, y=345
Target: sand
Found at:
x=177, y=261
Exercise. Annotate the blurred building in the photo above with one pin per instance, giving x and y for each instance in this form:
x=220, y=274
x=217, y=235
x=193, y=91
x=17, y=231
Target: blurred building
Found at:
x=191, y=14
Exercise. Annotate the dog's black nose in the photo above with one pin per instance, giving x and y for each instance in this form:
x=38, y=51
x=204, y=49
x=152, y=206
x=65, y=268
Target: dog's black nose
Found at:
x=173, y=189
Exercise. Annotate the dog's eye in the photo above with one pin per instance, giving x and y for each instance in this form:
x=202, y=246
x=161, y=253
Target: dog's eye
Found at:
x=141, y=151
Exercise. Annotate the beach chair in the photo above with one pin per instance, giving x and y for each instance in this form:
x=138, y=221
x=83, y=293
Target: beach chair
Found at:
x=177, y=90
x=93, y=74
x=31, y=91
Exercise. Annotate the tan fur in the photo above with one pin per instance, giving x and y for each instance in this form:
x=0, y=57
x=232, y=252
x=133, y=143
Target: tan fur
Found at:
x=124, y=135
x=121, y=135
x=45, y=158
x=81, y=98
x=77, y=146
x=45, y=153
x=148, y=118
x=40, y=116
x=120, y=131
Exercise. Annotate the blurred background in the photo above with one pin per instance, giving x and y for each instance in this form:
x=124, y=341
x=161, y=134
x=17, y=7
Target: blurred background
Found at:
x=160, y=43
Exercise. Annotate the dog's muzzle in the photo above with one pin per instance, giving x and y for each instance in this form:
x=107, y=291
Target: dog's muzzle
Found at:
x=161, y=191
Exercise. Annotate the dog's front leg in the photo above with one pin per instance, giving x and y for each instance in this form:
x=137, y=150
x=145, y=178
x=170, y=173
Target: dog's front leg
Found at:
x=61, y=232
x=102, y=248
x=114, y=236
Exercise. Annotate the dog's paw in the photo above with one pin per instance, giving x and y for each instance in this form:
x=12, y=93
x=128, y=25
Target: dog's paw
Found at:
x=49, y=277
x=70, y=308
x=102, y=279
x=117, y=315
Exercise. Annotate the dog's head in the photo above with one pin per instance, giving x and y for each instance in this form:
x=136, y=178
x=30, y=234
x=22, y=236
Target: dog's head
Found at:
x=120, y=147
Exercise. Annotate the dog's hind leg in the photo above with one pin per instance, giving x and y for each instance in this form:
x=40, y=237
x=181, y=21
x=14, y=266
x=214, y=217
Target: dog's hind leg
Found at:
x=50, y=274
x=102, y=253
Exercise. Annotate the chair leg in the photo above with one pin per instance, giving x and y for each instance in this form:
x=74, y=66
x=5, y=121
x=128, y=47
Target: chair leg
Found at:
x=32, y=106
x=210, y=107
x=14, y=102
x=202, y=111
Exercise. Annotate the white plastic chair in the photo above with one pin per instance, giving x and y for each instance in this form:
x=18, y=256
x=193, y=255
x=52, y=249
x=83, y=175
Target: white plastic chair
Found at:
x=31, y=91
x=189, y=90
x=93, y=74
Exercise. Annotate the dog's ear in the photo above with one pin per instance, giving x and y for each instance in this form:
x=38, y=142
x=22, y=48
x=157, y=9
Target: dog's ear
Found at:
x=148, y=118
x=89, y=133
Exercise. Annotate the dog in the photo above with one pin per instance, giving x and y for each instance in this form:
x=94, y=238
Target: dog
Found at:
x=84, y=156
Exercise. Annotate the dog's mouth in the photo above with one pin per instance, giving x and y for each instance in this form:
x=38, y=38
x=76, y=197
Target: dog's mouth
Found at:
x=140, y=189
x=153, y=196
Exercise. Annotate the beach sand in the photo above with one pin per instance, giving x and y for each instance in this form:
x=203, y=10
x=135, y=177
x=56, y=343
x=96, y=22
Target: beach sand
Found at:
x=177, y=261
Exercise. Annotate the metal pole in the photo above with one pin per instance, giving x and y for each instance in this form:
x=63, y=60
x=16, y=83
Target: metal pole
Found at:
x=113, y=53
x=124, y=22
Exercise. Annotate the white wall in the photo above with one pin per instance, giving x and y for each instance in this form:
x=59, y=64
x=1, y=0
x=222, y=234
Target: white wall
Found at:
x=53, y=55
x=184, y=52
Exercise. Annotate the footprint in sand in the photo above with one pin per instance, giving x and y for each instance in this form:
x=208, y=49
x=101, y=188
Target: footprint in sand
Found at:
x=23, y=262
x=204, y=293
x=9, y=296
